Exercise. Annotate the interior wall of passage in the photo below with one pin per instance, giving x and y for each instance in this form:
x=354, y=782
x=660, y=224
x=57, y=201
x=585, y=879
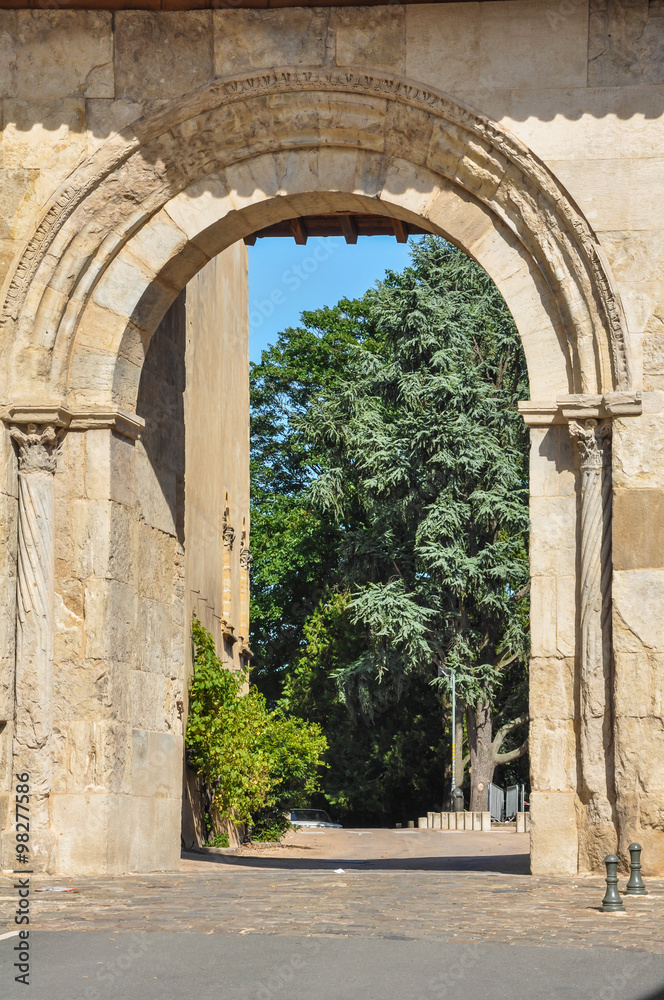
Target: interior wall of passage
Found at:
x=216, y=420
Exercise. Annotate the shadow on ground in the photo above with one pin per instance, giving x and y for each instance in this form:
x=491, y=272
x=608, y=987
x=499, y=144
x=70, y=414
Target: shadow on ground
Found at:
x=501, y=864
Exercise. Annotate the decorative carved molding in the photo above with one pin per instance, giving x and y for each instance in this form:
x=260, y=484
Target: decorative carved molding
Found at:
x=37, y=445
x=465, y=148
x=596, y=666
x=581, y=407
x=127, y=424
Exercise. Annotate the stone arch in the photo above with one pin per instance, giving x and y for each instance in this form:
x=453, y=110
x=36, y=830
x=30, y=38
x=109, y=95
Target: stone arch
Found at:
x=132, y=224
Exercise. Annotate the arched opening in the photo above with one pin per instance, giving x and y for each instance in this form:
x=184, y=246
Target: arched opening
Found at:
x=119, y=243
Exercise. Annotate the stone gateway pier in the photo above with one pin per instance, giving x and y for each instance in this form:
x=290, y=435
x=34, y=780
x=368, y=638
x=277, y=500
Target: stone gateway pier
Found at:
x=139, y=150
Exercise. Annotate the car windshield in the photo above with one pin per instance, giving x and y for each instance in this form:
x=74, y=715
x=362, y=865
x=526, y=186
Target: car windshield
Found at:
x=317, y=815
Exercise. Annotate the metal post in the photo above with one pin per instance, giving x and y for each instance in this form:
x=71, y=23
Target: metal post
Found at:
x=453, y=731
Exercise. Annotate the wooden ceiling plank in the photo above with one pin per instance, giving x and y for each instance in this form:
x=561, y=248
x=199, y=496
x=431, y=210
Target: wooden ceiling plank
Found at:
x=400, y=230
x=299, y=232
x=348, y=228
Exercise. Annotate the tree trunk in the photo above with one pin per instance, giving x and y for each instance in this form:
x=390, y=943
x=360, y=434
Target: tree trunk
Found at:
x=458, y=729
x=482, y=758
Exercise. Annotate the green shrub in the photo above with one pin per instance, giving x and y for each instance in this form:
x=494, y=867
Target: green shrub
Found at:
x=251, y=759
x=219, y=840
x=270, y=825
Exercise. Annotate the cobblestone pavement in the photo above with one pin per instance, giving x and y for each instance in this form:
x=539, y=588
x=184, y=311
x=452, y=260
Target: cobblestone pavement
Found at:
x=426, y=885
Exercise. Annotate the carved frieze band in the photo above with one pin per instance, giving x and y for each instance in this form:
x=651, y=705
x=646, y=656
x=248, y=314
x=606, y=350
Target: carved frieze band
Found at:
x=566, y=245
x=594, y=442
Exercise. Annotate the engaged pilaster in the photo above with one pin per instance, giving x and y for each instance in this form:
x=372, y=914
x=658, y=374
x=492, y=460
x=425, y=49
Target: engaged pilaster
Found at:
x=596, y=665
x=37, y=445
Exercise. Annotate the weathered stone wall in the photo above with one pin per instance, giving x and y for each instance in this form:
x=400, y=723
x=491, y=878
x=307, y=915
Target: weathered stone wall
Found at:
x=216, y=418
x=582, y=87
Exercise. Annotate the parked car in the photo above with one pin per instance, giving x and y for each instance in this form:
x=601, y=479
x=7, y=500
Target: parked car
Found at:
x=312, y=818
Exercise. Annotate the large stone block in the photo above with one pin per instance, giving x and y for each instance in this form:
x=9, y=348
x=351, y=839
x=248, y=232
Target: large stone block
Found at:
x=104, y=537
x=638, y=452
x=600, y=192
x=639, y=684
x=90, y=689
x=155, y=634
x=156, y=556
x=6, y=737
x=552, y=750
x=154, y=833
x=553, y=530
x=519, y=49
x=69, y=637
x=638, y=624
x=148, y=697
x=109, y=467
x=638, y=529
x=91, y=833
x=50, y=53
x=157, y=491
x=625, y=43
x=566, y=615
x=567, y=124
x=371, y=38
x=552, y=689
x=110, y=620
x=553, y=833
x=48, y=136
x=640, y=751
x=157, y=760
x=552, y=466
x=264, y=39
x=99, y=757
x=543, y=636
x=158, y=56
x=452, y=29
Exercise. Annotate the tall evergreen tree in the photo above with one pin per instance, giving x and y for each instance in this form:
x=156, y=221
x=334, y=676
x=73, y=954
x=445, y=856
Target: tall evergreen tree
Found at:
x=390, y=524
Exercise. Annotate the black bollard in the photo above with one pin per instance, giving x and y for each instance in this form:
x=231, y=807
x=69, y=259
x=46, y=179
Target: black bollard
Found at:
x=612, y=900
x=635, y=886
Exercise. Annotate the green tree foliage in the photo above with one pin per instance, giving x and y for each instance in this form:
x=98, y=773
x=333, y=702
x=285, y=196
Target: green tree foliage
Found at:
x=255, y=763
x=412, y=478
x=293, y=545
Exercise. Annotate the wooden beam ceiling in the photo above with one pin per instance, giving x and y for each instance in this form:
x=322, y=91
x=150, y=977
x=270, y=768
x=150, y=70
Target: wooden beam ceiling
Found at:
x=350, y=226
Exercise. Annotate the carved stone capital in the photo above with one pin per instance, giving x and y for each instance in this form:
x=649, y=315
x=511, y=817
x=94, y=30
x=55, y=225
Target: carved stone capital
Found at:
x=246, y=558
x=37, y=446
x=228, y=536
x=594, y=440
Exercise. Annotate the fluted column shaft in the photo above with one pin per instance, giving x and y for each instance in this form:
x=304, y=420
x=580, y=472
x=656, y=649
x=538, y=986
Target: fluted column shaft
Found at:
x=596, y=674
x=34, y=628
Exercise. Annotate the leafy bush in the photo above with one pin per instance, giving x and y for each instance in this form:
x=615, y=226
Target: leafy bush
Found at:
x=219, y=840
x=250, y=759
x=270, y=825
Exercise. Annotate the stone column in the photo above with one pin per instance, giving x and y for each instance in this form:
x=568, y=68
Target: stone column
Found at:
x=34, y=629
x=596, y=663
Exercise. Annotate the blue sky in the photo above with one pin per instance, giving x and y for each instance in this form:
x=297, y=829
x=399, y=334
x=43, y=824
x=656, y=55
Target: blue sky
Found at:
x=285, y=278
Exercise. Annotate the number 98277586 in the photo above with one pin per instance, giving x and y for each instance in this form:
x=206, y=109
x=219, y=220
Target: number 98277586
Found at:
x=22, y=818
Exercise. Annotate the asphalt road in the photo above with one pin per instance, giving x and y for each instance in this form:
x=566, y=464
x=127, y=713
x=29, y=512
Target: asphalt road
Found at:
x=182, y=966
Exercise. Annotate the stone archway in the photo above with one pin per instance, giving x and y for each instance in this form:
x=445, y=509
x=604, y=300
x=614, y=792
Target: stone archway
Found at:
x=121, y=238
